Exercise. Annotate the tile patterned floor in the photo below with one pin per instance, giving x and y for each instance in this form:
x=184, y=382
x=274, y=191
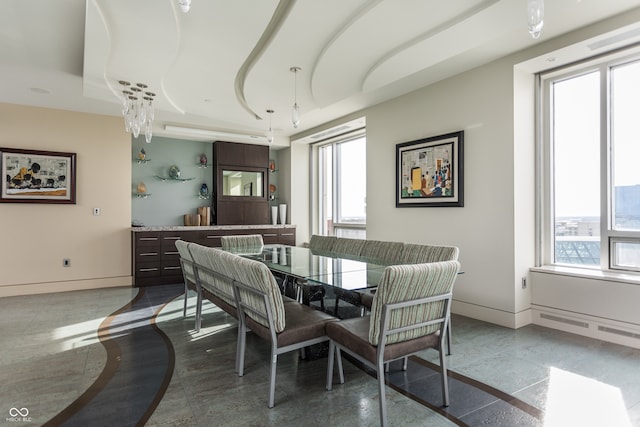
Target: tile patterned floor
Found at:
x=51, y=354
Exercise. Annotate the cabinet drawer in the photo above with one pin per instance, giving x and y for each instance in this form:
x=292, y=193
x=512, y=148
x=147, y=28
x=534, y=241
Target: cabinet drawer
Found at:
x=287, y=237
x=146, y=239
x=147, y=255
x=171, y=267
x=147, y=269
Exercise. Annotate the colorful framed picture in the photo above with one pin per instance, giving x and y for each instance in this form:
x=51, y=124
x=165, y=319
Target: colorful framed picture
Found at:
x=32, y=176
x=429, y=172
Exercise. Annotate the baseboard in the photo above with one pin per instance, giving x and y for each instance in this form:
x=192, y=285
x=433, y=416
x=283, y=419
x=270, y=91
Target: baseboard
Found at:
x=492, y=315
x=73, y=285
x=612, y=331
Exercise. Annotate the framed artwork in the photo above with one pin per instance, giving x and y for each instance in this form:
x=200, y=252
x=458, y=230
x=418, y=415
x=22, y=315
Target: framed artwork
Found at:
x=429, y=172
x=32, y=176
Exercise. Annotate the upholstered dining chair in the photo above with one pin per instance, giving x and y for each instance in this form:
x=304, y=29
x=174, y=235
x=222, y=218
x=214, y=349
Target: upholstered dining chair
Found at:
x=286, y=325
x=241, y=242
x=410, y=313
x=188, y=274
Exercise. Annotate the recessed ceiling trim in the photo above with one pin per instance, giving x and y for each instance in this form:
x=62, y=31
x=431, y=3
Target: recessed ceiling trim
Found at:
x=426, y=35
x=210, y=133
x=277, y=19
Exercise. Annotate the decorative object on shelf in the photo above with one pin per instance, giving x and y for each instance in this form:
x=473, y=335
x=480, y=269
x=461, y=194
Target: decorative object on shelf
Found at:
x=142, y=155
x=283, y=213
x=174, y=172
x=272, y=165
x=295, y=111
x=274, y=215
x=272, y=188
x=142, y=188
x=205, y=215
x=137, y=109
x=535, y=17
x=270, y=131
x=203, y=160
x=191, y=219
x=204, y=191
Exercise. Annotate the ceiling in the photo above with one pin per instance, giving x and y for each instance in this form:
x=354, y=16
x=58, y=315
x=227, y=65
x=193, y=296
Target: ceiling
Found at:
x=220, y=66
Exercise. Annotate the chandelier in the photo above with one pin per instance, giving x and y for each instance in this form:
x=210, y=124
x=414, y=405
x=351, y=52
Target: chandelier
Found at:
x=535, y=17
x=137, y=109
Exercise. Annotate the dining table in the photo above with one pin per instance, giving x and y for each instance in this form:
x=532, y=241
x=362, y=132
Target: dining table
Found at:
x=304, y=271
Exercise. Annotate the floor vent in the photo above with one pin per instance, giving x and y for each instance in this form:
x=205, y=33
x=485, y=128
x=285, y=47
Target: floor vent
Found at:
x=563, y=320
x=619, y=332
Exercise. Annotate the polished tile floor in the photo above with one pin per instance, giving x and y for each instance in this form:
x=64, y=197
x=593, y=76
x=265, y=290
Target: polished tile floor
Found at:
x=61, y=354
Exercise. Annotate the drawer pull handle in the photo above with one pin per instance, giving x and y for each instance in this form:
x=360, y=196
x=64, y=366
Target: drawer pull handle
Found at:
x=149, y=238
x=286, y=234
x=172, y=253
x=149, y=254
x=269, y=234
x=172, y=238
x=172, y=268
x=144, y=270
x=213, y=237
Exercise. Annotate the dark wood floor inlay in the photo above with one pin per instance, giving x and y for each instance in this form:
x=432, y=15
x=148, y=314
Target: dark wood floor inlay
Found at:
x=140, y=363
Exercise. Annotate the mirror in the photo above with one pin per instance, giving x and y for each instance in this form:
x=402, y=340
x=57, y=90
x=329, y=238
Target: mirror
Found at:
x=242, y=183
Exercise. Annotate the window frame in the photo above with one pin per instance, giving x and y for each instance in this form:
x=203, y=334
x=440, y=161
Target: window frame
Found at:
x=545, y=207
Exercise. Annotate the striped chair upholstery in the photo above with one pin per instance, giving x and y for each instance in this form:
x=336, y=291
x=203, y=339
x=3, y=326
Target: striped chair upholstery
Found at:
x=242, y=242
x=417, y=254
x=381, y=252
x=348, y=248
x=410, y=313
x=319, y=243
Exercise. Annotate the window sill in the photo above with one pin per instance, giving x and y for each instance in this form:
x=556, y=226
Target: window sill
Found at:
x=611, y=276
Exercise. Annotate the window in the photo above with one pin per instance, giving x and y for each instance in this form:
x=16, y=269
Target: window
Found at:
x=591, y=118
x=341, y=194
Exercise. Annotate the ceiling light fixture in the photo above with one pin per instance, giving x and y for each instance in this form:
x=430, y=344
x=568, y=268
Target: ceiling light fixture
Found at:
x=295, y=112
x=185, y=5
x=535, y=17
x=137, y=109
x=270, y=131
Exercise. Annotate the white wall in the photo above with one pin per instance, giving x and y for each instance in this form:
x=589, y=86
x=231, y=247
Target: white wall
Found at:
x=36, y=237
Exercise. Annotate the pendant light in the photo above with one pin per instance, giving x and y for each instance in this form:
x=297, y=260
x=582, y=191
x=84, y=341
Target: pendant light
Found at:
x=535, y=17
x=185, y=5
x=270, y=131
x=295, y=112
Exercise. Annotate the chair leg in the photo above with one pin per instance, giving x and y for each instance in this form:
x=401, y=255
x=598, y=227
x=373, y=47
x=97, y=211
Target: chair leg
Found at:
x=381, y=393
x=272, y=378
x=242, y=341
x=340, y=370
x=198, y=309
x=449, y=338
x=445, y=380
x=186, y=295
x=405, y=362
x=332, y=349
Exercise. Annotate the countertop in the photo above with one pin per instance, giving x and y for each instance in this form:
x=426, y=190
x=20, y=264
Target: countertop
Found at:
x=209, y=227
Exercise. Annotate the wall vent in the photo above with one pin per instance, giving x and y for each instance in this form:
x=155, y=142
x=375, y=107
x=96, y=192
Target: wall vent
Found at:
x=619, y=332
x=563, y=320
x=332, y=131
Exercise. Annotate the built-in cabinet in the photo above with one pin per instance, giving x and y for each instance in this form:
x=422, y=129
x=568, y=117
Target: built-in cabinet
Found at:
x=156, y=260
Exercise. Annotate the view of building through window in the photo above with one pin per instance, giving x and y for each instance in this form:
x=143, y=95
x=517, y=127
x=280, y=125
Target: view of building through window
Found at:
x=342, y=188
x=593, y=220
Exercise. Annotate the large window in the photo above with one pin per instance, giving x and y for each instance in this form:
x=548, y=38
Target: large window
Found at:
x=341, y=195
x=592, y=165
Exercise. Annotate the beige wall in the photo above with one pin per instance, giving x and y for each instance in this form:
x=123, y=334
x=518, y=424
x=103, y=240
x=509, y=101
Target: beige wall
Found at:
x=36, y=237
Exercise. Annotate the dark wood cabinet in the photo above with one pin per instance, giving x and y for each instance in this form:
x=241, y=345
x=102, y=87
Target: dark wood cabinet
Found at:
x=156, y=260
x=251, y=204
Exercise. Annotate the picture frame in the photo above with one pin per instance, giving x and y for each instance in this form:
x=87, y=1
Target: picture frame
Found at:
x=35, y=176
x=429, y=172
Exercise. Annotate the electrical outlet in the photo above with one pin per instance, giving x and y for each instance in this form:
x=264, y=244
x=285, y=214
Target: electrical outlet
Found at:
x=96, y=211
x=66, y=262
x=524, y=283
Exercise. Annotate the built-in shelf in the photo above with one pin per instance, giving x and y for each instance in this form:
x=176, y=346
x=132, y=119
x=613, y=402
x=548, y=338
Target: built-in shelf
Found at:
x=142, y=161
x=203, y=166
x=166, y=178
x=142, y=195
